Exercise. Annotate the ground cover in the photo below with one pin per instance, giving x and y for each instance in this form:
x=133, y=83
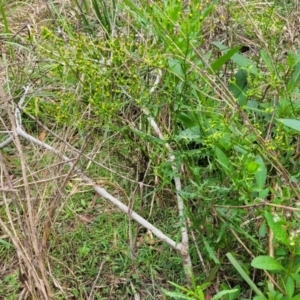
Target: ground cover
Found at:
x=183, y=114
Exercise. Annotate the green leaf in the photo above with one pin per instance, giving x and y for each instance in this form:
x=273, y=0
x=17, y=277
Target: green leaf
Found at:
x=295, y=78
x=263, y=229
x=292, y=123
x=212, y=274
x=266, y=58
x=223, y=293
x=176, y=68
x=5, y=243
x=177, y=295
x=210, y=251
x=187, y=120
x=261, y=173
x=241, y=271
x=297, y=297
x=290, y=287
x=192, y=133
x=236, y=294
x=238, y=87
x=216, y=65
x=296, y=277
x=263, y=193
x=223, y=159
x=252, y=167
x=276, y=224
x=209, y=8
x=265, y=262
x=239, y=59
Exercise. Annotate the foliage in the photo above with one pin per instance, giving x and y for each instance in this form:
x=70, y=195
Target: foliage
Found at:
x=230, y=118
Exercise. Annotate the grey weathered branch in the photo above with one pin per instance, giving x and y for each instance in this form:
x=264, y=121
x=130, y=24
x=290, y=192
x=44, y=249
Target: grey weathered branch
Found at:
x=183, y=246
x=100, y=190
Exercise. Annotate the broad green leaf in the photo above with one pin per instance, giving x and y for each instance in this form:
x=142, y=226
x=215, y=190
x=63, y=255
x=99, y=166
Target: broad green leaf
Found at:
x=176, y=68
x=265, y=262
x=292, y=123
x=297, y=297
x=192, y=133
x=276, y=224
x=239, y=59
x=261, y=173
x=216, y=65
x=290, y=287
x=223, y=293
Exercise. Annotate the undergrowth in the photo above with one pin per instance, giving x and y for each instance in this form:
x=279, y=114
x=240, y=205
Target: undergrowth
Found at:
x=221, y=81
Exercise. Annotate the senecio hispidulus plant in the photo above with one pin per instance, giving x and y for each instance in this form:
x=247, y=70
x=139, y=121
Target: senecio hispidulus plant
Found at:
x=100, y=77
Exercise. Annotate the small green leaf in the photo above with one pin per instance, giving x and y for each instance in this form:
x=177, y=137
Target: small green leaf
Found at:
x=216, y=65
x=262, y=229
x=5, y=243
x=252, y=167
x=192, y=133
x=176, y=295
x=223, y=159
x=290, y=287
x=223, y=293
x=210, y=251
x=265, y=262
x=277, y=226
x=236, y=294
x=187, y=120
x=295, y=78
x=294, y=124
x=239, y=87
x=263, y=193
x=261, y=173
x=266, y=58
